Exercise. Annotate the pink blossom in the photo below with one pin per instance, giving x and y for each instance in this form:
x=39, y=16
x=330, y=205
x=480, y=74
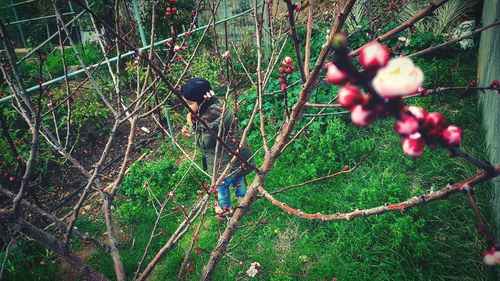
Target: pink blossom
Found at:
x=361, y=116
x=399, y=78
x=349, y=96
x=254, y=269
x=452, y=135
x=407, y=125
x=413, y=145
x=335, y=75
x=374, y=55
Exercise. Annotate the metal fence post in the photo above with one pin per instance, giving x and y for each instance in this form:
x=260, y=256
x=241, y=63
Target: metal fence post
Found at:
x=137, y=17
x=18, y=25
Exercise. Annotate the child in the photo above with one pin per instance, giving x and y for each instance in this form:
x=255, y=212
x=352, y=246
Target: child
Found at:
x=198, y=93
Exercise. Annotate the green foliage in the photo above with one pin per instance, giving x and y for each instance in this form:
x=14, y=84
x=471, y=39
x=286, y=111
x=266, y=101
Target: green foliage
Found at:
x=431, y=242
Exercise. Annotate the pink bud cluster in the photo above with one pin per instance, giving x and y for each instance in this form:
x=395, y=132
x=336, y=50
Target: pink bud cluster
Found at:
x=285, y=70
x=416, y=126
x=419, y=127
x=171, y=10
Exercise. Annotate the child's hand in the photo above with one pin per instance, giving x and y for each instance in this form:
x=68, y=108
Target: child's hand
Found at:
x=189, y=120
x=185, y=131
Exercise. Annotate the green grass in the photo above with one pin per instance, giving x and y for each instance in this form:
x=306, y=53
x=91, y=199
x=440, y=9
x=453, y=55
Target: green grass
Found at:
x=436, y=241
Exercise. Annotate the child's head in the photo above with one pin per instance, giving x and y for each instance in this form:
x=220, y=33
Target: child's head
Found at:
x=194, y=91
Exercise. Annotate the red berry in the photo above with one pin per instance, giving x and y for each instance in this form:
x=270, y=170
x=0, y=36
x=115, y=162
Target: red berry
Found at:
x=283, y=87
x=473, y=83
x=187, y=34
x=298, y=8
x=12, y=178
x=281, y=70
x=281, y=80
x=346, y=168
x=18, y=158
x=495, y=83
x=288, y=70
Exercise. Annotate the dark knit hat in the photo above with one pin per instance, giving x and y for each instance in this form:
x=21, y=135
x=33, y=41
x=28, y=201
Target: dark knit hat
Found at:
x=195, y=89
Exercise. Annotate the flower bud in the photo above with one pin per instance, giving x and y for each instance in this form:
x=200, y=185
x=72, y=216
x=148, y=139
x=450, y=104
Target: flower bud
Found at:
x=418, y=112
x=361, y=116
x=434, y=120
x=452, y=136
x=413, y=145
x=287, y=61
x=374, y=55
x=407, y=125
x=349, y=96
x=335, y=75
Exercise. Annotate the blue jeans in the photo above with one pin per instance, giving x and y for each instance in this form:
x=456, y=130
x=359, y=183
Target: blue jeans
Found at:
x=223, y=194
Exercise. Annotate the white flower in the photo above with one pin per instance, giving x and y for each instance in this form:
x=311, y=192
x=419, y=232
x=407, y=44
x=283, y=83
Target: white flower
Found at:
x=399, y=78
x=492, y=258
x=254, y=269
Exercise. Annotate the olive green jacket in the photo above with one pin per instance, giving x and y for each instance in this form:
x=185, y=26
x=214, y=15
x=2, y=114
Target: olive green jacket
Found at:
x=207, y=143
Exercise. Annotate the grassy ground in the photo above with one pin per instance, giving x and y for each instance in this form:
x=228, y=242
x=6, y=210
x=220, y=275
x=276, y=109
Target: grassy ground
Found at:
x=432, y=242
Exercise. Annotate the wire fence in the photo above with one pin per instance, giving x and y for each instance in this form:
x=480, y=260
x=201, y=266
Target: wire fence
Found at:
x=31, y=22
x=30, y=33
